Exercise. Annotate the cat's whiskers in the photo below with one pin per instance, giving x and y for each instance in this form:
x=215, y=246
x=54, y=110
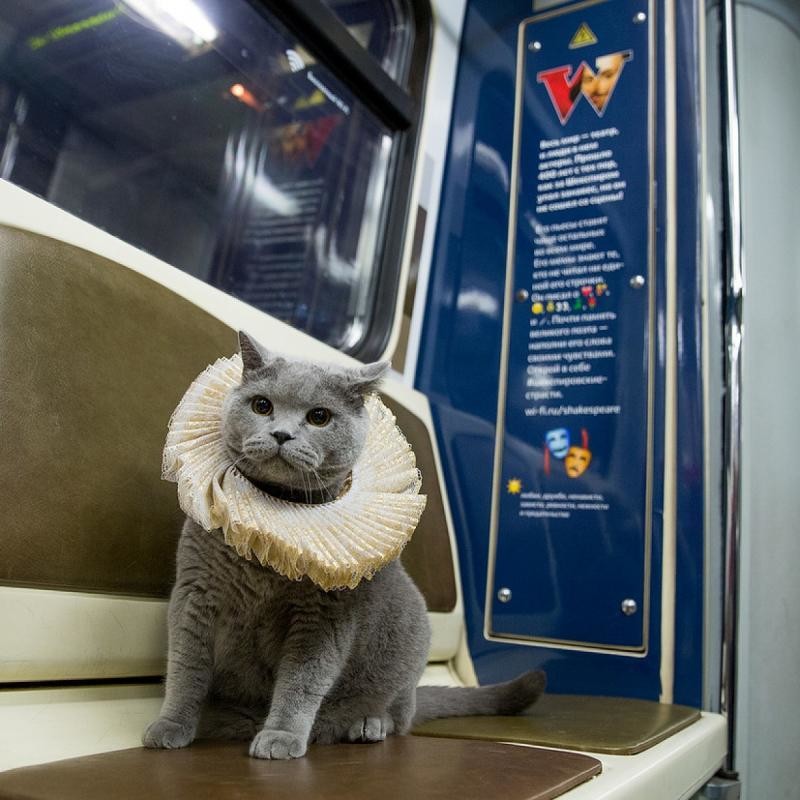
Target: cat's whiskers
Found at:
x=310, y=490
x=239, y=460
x=327, y=494
x=305, y=487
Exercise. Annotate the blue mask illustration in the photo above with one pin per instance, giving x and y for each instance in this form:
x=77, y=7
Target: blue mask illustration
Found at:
x=557, y=441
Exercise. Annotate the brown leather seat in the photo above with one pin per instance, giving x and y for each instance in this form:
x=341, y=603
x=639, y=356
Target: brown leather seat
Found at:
x=614, y=725
x=401, y=767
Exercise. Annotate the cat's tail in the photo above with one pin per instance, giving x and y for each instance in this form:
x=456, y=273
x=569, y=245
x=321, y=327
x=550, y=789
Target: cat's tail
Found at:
x=511, y=697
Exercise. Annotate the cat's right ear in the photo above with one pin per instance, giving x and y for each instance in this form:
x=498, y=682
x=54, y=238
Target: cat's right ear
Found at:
x=367, y=378
x=252, y=355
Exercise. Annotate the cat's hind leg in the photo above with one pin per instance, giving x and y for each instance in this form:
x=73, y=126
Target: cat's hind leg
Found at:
x=352, y=719
x=397, y=718
x=402, y=710
x=371, y=728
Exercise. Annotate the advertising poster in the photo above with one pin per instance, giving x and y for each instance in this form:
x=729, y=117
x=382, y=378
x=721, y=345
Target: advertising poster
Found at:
x=571, y=535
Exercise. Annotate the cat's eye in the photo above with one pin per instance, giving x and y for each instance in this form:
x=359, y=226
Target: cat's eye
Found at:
x=319, y=416
x=261, y=405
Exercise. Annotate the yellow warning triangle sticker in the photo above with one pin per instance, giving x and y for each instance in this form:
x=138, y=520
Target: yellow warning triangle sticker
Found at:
x=583, y=37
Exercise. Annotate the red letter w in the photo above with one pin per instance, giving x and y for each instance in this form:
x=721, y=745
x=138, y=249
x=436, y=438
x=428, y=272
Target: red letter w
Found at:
x=563, y=91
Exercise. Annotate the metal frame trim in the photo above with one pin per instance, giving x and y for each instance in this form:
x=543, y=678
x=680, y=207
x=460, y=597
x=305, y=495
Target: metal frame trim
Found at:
x=322, y=31
x=733, y=301
x=669, y=526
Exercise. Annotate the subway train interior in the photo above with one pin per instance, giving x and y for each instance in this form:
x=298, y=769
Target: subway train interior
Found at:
x=567, y=225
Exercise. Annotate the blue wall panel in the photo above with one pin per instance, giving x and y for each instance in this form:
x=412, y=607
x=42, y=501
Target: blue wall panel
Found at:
x=459, y=363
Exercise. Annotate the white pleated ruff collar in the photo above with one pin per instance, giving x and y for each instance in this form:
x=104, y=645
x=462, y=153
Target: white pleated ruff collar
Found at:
x=335, y=544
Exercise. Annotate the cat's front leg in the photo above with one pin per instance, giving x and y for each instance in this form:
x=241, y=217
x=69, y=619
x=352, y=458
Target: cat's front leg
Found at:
x=311, y=662
x=189, y=671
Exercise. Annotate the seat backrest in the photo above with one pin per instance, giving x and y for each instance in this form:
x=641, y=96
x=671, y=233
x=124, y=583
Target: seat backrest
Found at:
x=94, y=357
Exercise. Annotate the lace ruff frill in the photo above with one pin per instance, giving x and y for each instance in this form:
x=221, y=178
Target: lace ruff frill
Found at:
x=335, y=544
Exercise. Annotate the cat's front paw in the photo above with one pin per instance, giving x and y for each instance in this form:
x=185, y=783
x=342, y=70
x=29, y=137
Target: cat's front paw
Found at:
x=277, y=744
x=167, y=734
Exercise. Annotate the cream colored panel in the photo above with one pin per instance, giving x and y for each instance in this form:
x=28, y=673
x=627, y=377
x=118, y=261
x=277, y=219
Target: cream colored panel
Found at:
x=48, y=635
x=446, y=633
x=439, y=675
x=448, y=19
x=41, y=725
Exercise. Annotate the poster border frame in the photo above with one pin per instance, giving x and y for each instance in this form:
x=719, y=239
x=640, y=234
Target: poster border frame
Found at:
x=636, y=651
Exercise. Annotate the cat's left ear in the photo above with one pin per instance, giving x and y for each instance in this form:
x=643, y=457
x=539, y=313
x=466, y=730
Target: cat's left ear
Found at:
x=253, y=355
x=367, y=379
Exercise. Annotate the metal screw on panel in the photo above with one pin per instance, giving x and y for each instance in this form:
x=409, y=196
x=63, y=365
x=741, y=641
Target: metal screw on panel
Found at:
x=504, y=595
x=536, y=46
x=522, y=295
x=629, y=607
x=637, y=281
x=640, y=17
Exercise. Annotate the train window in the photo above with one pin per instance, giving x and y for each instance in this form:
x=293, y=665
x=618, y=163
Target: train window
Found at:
x=264, y=155
x=383, y=28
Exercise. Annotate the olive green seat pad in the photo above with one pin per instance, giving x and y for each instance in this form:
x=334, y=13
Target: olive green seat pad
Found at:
x=401, y=767
x=614, y=725
x=95, y=357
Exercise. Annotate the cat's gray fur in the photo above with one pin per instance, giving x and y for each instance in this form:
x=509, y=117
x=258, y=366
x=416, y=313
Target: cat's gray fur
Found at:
x=255, y=655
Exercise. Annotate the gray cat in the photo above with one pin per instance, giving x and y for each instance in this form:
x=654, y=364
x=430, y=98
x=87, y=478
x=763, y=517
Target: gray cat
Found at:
x=255, y=655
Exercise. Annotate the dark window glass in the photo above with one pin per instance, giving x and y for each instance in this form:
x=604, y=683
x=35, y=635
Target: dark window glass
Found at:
x=204, y=133
x=382, y=27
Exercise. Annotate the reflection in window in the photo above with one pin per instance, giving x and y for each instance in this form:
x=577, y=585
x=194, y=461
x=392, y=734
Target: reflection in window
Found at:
x=382, y=27
x=202, y=132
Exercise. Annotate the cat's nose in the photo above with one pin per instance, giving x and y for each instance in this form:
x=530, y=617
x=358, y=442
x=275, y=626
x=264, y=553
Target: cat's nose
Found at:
x=282, y=436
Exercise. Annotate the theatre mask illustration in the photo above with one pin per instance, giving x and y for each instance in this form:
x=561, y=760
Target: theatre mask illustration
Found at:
x=578, y=458
x=557, y=441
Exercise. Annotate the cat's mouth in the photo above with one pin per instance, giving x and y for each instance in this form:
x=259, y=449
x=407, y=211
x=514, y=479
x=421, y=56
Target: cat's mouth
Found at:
x=299, y=460
x=287, y=475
